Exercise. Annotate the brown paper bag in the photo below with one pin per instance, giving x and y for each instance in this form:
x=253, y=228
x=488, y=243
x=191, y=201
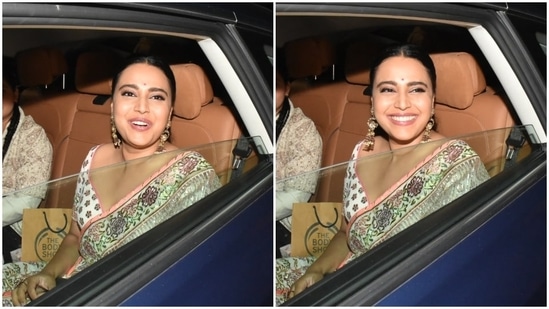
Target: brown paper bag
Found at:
x=43, y=230
x=313, y=226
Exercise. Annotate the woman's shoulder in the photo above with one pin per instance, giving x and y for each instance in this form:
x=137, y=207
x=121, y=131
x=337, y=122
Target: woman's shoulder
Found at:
x=99, y=155
x=298, y=117
x=29, y=127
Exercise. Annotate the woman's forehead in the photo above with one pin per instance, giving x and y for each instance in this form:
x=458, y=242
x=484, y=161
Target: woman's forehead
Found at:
x=142, y=73
x=401, y=67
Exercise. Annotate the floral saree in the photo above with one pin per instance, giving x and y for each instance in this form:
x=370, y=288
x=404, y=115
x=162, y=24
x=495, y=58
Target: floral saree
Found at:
x=449, y=172
x=187, y=178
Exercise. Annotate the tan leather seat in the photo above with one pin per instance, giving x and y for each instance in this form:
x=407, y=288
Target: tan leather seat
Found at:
x=201, y=118
x=321, y=99
x=353, y=125
x=461, y=108
x=89, y=122
x=49, y=105
x=40, y=67
x=465, y=105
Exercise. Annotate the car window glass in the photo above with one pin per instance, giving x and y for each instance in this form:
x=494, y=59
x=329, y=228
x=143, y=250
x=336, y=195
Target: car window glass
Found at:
x=263, y=49
x=534, y=35
x=491, y=146
x=542, y=41
x=60, y=192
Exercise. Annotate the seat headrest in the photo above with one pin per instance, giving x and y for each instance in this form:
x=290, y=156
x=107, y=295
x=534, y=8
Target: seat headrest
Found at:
x=94, y=72
x=358, y=59
x=459, y=79
x=308, y=57
x=40, y=66
x=194, y=90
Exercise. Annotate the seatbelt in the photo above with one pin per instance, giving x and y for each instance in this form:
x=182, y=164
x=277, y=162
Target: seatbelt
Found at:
x=241, y=152
x=514, y=142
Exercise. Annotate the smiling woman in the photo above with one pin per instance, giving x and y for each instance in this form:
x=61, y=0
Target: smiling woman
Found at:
x=113, y=208
x=143, y=99
x=388, y=193
x=222, y=58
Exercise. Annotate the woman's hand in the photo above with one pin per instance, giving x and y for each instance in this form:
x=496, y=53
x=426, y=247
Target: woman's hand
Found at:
x=32, y=287
x=308, y=279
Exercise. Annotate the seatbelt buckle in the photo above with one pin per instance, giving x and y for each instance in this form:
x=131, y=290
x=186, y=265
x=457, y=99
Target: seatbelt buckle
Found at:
x=241, y=152
x=236, y=163
x=514, y=142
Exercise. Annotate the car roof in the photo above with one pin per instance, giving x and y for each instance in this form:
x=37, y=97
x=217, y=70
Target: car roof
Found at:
x=250, y=14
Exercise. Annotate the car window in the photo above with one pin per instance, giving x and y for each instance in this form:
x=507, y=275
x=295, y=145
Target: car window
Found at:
x=534, y=35
x=59, y=193
x=221, y=56
x=491, y=146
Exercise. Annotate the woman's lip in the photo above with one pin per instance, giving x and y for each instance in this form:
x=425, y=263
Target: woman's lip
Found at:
x=402, y=119
x=140, y=124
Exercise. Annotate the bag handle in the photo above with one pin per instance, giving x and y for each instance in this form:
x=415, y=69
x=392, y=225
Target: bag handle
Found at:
x=48, y=224
x=326, y=225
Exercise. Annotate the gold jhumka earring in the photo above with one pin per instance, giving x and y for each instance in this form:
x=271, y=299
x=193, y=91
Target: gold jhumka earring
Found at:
x=163, y=138
x=115, y=140
x=428, y=128
x=369, y=140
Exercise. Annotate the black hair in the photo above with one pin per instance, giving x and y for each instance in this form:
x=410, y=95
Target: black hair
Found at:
x=9, y=72
x=151, y=60
x=408, y=51
x=281, y=65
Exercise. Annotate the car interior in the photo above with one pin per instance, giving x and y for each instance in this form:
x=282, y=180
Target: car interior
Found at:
x=66, y=88
x=330, y=72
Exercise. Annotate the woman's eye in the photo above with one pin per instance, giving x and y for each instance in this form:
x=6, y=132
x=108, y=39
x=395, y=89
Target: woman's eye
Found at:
x=421, y=90
x=127, y=94
x=158, y=97
x=382, y=90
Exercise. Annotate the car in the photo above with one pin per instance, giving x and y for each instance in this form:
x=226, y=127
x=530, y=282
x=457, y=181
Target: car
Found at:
x=486, y=248
x=218, y=252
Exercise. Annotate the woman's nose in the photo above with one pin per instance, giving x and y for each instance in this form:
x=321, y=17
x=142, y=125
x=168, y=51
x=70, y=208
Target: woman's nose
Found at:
x=402, y=102
x=142, y=105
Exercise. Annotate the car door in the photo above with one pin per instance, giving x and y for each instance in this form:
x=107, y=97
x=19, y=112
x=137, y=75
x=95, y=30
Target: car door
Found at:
x=220, y=251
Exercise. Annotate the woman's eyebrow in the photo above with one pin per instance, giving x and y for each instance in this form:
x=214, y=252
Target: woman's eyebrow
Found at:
x=415, y=83
x=393, y=83
x=151, y=89
x=154, y=89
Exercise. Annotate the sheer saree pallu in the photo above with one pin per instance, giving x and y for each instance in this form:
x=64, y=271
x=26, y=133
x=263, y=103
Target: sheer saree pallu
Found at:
x=187, y=179
x=451, y=171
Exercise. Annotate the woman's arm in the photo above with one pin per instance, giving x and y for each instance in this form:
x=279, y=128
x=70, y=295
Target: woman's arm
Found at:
x=66, y=255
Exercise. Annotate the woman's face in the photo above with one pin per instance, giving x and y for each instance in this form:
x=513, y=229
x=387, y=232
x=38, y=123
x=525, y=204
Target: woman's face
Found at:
x=403, y=100
x=142, y=105
x=282, y=90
